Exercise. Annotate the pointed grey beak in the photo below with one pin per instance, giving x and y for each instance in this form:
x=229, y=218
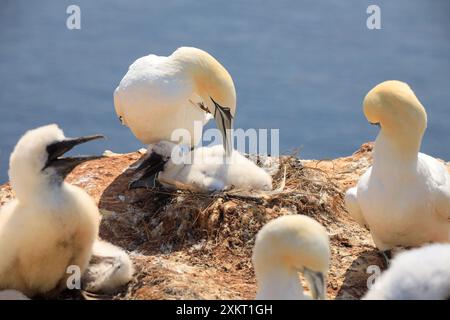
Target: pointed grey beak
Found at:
x=150, y=167
x=64, y=165
x=316, y=281
x=224, y=122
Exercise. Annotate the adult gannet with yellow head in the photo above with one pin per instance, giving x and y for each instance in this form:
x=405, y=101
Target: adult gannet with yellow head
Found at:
x=50, y=225
x=286, y=246
x=404, y=198
x=159, y=95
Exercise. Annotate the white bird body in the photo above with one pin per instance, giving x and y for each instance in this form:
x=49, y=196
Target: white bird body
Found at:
x=404, y=198
x=41, y=239
x=418, y=274
x=159, y=95
x=109, y=269
x=51, y=224
x=208, y=169
x=286, y=246
x=399, y=203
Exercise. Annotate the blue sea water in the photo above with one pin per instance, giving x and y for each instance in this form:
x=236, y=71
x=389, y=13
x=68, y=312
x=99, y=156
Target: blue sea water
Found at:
x=300, y=66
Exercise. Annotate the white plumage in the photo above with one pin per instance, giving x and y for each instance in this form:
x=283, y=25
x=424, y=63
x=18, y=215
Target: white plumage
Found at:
x=207, y=168
x=286, y=246
x=159, y=95
x=109, y=269
x=50, y=225
x=419, y=274
x=404, y=198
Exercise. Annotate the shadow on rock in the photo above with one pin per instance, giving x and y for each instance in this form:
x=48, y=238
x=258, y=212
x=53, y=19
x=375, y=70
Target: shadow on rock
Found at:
x=359, y=274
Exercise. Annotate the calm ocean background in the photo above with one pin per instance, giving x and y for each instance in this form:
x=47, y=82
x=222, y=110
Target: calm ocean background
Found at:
x=301, y=66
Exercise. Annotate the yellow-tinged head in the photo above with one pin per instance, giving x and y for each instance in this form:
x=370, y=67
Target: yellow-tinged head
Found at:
x=214, y=85
x=394, y=106
x=211, y=79
x=286, y=246
x=38, y=160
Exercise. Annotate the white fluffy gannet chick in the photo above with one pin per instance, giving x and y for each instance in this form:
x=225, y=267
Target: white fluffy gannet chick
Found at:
x=286, y=246
x=404, y=198
x=109, y=269
x=159, y=95
x=205, y=168
x=418, y=274
x=51, y=224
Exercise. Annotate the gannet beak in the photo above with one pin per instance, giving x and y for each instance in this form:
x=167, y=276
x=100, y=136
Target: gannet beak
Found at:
x=316, y=282
x=64, y=165
x=376, y=124
x=224, y=121
x=150, y=167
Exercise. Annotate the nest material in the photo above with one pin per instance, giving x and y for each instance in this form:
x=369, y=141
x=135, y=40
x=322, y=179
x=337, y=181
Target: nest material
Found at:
x=209, y=229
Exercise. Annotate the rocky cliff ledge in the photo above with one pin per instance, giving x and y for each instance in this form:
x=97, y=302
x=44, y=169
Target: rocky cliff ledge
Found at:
x=187, y=245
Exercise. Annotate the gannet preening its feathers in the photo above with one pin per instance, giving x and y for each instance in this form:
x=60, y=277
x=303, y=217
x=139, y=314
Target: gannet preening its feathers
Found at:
x=51, y=224
x=205, y=169
x=286, y=246
x=418, y=274
x=404, y=198
x=159, y=95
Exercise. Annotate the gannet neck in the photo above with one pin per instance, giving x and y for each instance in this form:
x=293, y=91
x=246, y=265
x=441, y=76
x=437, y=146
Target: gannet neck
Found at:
x=211, y=79
x=389, y=151
x=279, y=282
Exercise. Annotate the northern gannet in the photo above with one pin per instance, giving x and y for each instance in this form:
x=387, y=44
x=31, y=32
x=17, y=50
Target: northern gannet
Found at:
x=109, y=269
x=286, y=246
x=418, y=274
x=161, y=94
x=50, y=225
x=205, y=168
x=404, y=198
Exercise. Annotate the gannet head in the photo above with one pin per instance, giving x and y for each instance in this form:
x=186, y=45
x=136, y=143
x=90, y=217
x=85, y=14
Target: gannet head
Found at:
x=395, y=107
x=285, y=246
x=418, y=274
x=36, y=161
x=214, y=84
